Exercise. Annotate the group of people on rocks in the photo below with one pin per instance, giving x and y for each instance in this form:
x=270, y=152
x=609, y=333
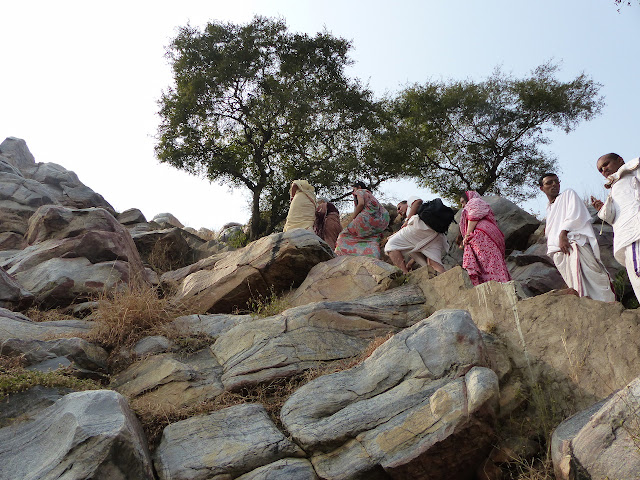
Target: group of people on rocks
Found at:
x=571, y=241
x=482, y=240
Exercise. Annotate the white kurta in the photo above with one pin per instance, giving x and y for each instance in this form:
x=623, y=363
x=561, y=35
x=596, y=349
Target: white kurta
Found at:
x=417, y=236
x=581, y=269
x=625, y=197
x=568, y=212
x=624, y=217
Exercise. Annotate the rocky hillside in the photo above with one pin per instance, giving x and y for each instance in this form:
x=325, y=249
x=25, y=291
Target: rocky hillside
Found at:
x=135, y=349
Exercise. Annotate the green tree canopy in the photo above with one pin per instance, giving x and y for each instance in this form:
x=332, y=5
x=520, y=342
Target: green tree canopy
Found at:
x=256, y=106
x=486, y=136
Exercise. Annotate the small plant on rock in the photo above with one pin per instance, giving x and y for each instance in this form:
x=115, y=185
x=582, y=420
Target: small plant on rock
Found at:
x=269, y=304
x=15, y=378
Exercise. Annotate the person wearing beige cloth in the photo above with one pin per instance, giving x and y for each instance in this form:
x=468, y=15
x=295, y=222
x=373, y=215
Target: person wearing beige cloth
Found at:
x=302, y=211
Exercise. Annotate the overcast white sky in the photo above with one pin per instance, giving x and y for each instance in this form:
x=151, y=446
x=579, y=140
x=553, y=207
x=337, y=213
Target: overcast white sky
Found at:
x=80, y=80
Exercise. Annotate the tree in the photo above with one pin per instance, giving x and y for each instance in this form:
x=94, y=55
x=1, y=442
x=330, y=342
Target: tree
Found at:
x=486, y=136
x=256, y=106
x=619, y=3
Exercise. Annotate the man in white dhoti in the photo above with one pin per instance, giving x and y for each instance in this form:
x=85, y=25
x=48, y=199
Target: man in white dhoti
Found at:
x=622, y=211
x=572, y=244
x=416, y=238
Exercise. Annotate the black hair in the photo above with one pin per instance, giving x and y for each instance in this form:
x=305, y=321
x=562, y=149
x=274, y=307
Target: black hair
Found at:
x=545, y=175
x=358, y=184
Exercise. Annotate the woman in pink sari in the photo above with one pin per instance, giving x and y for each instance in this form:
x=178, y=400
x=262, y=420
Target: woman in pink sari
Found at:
x=363, y=234
x=483, y=241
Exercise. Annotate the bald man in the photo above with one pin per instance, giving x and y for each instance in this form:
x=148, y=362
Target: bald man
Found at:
x=622, y=211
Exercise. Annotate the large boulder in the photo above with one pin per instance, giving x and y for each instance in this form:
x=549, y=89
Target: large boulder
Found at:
x=131, y=216
x=534, y=270
x=607, y=445
x=163, y=249
x=61, y=185
x=224, y=444
x=303, y=337
x=167, y=220
x=561, y=343
x=346, y=278
x=74, y=254
x=12, y=294
x=84, y=435
x=516, y=224
x=19, y=199
x=16, y=153
x=267, y=266
x=422, y=406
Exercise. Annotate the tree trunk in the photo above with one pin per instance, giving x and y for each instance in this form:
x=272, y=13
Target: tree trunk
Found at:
x=255, y=229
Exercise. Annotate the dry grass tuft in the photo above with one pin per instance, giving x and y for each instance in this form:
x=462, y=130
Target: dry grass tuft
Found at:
x=537, y=469
x=125, y=316
x=38, y=315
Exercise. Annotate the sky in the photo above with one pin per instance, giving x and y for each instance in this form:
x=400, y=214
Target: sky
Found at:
x=80, y=81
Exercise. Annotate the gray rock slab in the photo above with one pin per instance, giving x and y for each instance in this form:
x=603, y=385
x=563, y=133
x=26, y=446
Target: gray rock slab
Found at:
x=213, y=325
x=152, y=345
x=424, y=387
x=16, y=325
x=608, y=445
x=224, y=444
x=286, y=469
x=79, y=351
x=21, y=406
x=302, y=337
x=171, y=380
x=90, y=434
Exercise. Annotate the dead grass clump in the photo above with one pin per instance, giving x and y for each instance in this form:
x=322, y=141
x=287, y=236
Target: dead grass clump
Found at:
x=126, y=315
x=165, y=256
x=536, y=469
x=54, y=314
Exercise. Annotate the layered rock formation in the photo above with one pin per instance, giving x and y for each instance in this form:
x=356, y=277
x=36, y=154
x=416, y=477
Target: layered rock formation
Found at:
x=390, y=376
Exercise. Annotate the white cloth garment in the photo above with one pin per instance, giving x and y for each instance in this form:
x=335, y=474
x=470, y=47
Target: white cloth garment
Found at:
x=568, y=212
x=624, y=215
x=585, y=273
x=417, y=236
x=631, y=266
x=581, y=269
